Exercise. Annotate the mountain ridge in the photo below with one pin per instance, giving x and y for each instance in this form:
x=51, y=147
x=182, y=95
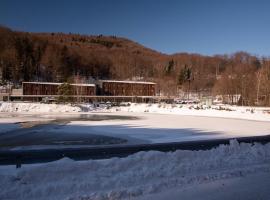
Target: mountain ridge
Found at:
x=59, y=57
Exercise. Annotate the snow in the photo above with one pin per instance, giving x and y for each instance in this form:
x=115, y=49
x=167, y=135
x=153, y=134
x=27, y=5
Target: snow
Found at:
x=223, y=111
x=19, y=107
x=146, y=128
x=159, y=128
x=36, y=107
x=146, y=175
x=255, y=186
x=235, y=171
x=156, y=123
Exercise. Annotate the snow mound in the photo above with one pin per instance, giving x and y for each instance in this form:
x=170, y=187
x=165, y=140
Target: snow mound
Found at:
x=137, y=175
x=226, y=111
x=44, y=108
x=37, y=107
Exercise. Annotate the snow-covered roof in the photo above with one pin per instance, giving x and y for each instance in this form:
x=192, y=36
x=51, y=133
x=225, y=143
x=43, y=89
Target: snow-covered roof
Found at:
x=52, y=83
x=138, y=82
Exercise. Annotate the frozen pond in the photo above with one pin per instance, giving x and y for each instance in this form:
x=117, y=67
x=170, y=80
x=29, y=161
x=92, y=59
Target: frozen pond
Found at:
x=75, y=130
x=36, y=131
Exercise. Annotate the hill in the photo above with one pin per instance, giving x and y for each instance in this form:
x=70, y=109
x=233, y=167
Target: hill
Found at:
x=60, y=57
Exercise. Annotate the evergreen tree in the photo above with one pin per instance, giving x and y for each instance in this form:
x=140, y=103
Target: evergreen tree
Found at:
x=64, y=92
x=169, y=68
x=184, y=75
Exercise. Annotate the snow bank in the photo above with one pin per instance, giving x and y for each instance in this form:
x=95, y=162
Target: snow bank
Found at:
x=137, y=175
x=43, y=108
x=226, y=111
x=37, y=107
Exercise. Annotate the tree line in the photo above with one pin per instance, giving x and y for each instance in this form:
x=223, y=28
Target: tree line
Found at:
x=59, y=57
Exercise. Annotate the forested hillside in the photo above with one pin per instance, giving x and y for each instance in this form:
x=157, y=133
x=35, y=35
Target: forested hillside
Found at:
x=59, y=57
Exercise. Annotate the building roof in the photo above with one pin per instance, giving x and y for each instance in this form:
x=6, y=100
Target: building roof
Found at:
x=51, y=83
x=138, y=82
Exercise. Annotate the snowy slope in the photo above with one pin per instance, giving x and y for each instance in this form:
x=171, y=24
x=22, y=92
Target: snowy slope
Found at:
x=141, y=174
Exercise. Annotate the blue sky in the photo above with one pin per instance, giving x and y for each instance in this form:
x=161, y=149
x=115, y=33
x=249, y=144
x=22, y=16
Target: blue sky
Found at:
x=195, y=26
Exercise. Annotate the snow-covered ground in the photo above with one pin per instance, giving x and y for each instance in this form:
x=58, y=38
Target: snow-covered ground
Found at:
x=156, y=123
x=158, y=128
x=146, y=128
x=36, y=107
x=235, y=171
x=225, y=111
x=255, y=186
